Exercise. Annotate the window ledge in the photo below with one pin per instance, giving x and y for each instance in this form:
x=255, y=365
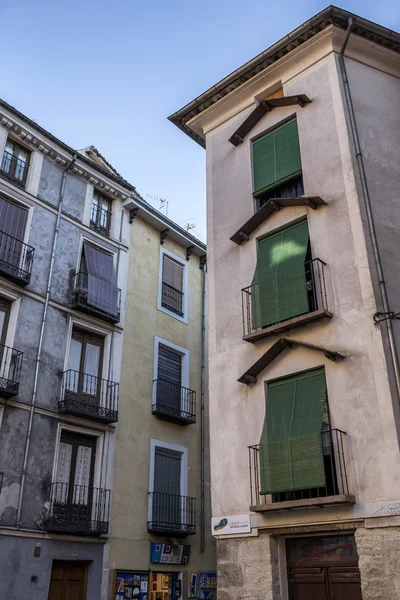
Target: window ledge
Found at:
x=299, y=321
x=306, y=503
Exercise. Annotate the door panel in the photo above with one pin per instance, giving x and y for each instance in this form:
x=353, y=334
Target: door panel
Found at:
x=344, y=583
x=68, y=581
x=308, y=584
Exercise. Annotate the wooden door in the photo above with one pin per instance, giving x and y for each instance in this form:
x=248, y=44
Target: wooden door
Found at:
x=344, y=583
x=308, y=584
x=68, y=580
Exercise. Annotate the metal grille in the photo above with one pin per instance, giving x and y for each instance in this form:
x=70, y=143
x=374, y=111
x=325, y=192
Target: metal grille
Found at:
x=334, y=465
x=90, y=396
x=172, y=299
x=10, y=370
x=174, y=402
x=16, y=259
x=77, y=509
x=275, y=293
x=81, y=299
x=171, y=514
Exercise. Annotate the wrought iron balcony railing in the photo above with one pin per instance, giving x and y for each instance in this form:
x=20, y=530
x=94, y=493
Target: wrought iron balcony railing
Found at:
x=336, y=482
x=96, y=297
x=16, y=259
x=88, y=396
x=77, y=509
x=171, y=514
x=173, y=402
x=294, y=297
x=172, y=299
x=14, y=168
x=10, y=371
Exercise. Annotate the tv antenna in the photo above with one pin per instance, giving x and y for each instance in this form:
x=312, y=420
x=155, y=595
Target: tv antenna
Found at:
x=164, y=204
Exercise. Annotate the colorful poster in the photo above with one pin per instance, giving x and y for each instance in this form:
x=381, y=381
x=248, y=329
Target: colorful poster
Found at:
x=208, y=581
x=231, y=524
x=192, y=585
x=169, y=554
x=129, y=586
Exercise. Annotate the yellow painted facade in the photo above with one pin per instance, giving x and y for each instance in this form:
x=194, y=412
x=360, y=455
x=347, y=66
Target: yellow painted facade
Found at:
x=129, y=546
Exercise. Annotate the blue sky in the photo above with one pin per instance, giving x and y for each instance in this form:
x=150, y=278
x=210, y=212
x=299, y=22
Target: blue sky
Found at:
x=110, y=73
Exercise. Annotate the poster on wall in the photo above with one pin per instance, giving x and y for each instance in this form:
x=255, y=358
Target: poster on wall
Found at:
x=169, y=554
x=192, y=585
x=131, y=586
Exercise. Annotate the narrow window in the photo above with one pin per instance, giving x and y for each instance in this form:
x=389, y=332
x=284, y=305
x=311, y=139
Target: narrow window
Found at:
x=277, y=171
x=4, y=316
x=167, y=487
x=15, y=162
x=100, y=217
x=172, y=285
x=169, y=380
x=84, y=367
x=97, y=280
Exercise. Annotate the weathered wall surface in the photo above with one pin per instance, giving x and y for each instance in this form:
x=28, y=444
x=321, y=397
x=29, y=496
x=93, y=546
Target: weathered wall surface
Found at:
x=379, y=562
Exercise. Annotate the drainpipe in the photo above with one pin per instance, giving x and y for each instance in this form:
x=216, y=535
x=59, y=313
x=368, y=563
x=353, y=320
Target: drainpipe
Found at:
x=203, y=420
x=367, y=202
x=39, y=351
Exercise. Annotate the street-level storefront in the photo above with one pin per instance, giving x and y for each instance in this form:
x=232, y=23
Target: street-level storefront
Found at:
x=323, y=568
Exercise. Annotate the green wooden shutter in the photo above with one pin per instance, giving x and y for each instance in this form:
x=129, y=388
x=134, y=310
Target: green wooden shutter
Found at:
x=276, y=157
x=279, y=287
x=291, y=455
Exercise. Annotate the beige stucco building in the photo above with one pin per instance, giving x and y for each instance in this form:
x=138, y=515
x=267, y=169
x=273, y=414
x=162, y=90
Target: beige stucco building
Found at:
x=303, y=148
x=161, y=499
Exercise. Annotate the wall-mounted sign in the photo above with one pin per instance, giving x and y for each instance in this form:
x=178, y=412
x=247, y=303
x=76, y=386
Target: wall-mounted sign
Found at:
x=168, y=554
x=208, y=581
x=230, y=525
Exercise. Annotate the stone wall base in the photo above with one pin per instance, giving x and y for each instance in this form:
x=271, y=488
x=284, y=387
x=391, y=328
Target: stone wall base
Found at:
x=379, y=562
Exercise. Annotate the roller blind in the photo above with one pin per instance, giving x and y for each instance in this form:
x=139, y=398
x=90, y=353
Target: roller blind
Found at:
x=291, y=454
x=172, y=273
x=102, y=279
x=279, y=287
x=12, y=219
x=276, y=157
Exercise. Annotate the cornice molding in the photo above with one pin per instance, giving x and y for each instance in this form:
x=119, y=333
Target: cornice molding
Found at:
x=34, y=143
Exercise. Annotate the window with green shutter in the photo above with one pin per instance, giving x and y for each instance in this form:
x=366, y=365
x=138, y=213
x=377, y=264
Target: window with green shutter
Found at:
x=279, y=287
x=291, y=445
x=276, y=158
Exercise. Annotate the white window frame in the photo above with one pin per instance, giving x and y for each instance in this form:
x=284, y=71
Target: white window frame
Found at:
x=15, y=301
x=1, y=415
x=185, y=365
x=90, y=328
x=185, y=287
x=183, y=451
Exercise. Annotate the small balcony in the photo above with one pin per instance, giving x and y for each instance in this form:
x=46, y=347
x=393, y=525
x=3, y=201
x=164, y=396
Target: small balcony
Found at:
x=335, y=491
x=84, y=395
x=77, y=509
x=10, y=371
x=294, y=298
x=174, y=403
x=171, y=515
x=172, y=299
x=16, y=259
x=96, y=297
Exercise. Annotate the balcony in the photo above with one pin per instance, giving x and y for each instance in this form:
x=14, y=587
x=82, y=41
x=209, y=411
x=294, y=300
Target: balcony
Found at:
x=16, y=259
x=335, y=491
x=172, y=299
x=77, y=509
x=292, y=299
x=88, y=396
x=96, y=297
x=10, y=370
x=171, y=515
x=174, y=403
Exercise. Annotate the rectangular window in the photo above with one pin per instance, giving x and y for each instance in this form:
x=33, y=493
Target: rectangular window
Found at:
x=277, y=163
x=169, y=380
x=281, y=286
x=15, y=162
x=4, y=316
x=295, y=444
x=167, y=486
x=84, y=367
x=97, y=271
x=172, y=285
x=100, y=216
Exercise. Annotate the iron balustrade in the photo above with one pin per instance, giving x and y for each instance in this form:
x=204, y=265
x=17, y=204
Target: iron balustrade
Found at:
x=174, y=402
x=77, y=509
x=16, y=259
x=100, y=219
x=96, y=297
x=14, y=168
x=171, y=514
x=10, y=371
x=310, y=276
x=336, y=482
x=172, y=299
x=89, y=396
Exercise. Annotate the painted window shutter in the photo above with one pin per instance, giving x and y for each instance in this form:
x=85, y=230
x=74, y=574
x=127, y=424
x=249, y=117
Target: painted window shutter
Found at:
x=102, y=279
x=172, y=273
x=279, y=287
x=169, y=375
x=291, y=453
x=276, y=157
x=167, y=485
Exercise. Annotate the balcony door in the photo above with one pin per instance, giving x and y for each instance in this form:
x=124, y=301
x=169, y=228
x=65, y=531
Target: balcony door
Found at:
x=12, y=230
x=84, y=366
x=73, y=485
x=6, y=358
x=167, y=488
x=169, y=376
